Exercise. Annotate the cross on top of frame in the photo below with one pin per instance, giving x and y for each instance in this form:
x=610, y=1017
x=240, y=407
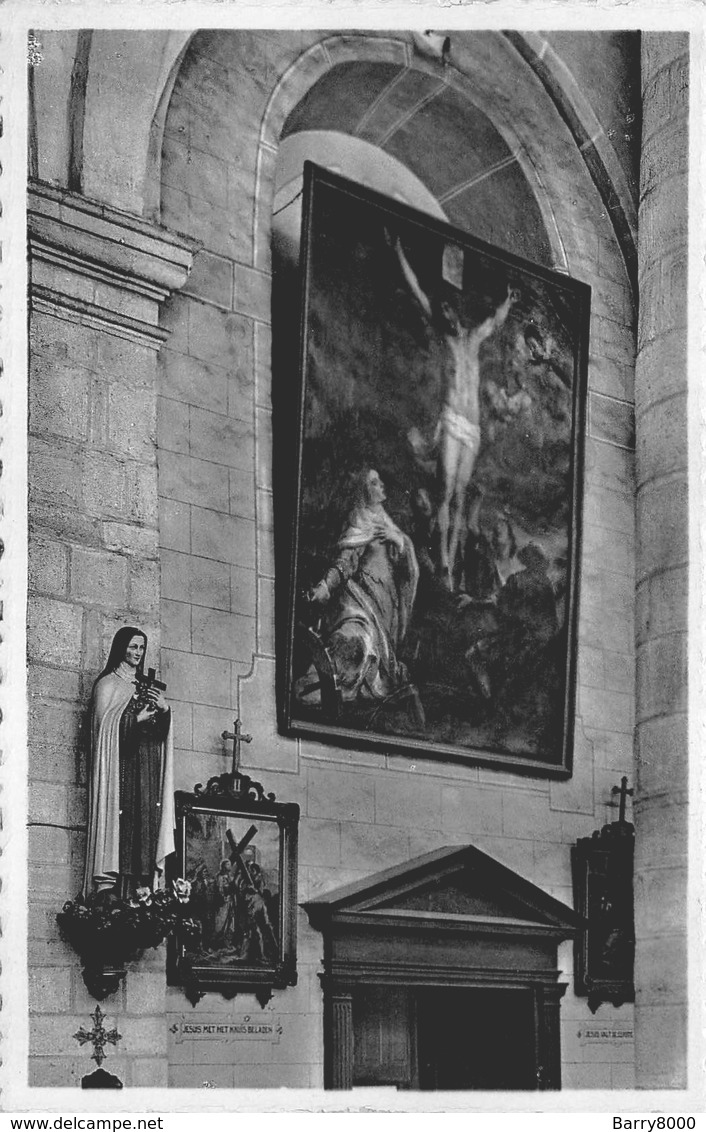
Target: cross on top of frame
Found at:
x=624, y=793
x=98, y=1036
x=238, y=738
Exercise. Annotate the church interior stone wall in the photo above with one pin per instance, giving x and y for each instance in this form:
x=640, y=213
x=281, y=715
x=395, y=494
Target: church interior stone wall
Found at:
x=152, y=504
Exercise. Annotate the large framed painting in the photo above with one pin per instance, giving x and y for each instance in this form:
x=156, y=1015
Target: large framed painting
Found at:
x=239, y=855
x=436, y=512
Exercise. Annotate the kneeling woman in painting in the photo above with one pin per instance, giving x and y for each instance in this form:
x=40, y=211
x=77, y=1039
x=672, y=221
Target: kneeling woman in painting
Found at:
x=368, y=596
x=131, y=794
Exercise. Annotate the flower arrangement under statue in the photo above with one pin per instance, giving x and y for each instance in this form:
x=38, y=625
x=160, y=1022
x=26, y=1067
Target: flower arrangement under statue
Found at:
x=109, y=932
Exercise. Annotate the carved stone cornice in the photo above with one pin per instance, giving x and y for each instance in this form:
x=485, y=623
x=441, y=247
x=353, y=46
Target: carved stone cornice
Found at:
x=96, y=265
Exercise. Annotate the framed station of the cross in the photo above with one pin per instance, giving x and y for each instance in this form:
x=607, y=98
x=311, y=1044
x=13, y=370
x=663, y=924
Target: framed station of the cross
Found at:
x=237, y=848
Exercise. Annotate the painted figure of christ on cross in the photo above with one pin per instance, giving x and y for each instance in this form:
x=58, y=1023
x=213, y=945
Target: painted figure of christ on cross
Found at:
x=458, y=433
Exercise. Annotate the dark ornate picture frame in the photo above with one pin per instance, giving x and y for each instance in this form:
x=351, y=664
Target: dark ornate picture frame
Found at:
x=237, y=847
x=413, y=654
x=604, y=948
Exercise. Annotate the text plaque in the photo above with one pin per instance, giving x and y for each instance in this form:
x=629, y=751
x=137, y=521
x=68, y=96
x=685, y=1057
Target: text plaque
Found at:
x=242, y=1027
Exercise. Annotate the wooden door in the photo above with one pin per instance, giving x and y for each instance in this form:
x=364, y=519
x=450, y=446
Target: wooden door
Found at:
x=384, y=1037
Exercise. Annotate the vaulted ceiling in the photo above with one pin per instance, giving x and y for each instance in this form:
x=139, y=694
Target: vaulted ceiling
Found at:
x=442, y=137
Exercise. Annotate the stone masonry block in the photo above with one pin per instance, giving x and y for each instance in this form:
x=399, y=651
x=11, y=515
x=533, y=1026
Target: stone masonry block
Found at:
x=666, y=90
x=223, y=439
x=144, y=586
x=665, y=824
x=663, y=297
x=176, y=625
x=99, y=577
x=58, y=400
x=172, y=426
x=54, y=475
x=52, y=683
x=48, y=567
x=661, y=1036
x=614, y=711
x=145, y=993
x=132, y=421
x=189, y=480
x=141, y=490
x=242, y=493
x=662, y=604
x=264, y=448
x=611, y=420
x=320, y=840
x=104, y=487
x=47, y=803
x=54, y=631
x=149, y=1073
x=612, y=378
x=242, y=594
x=50, y=845
x=471, y=810
x=663, y=228
x=664, y=154
x=63, y=524
x=211, y=279
x=59, y=722
x=372, y=847
x=662, y=526
x=529, y=816
x=340, y=795
x=229, y=635
x=263, y=366
x=215, y=336
x=253, y=293
x=193, y=170
x=613, y=510
x=223, y=537
x=49, y=990
x=661, y=906
x=661, y=369
x=129, y=538
x=609, y=466
x=662, y=438
x=174, y=525
x=662, y=680
x=408, y=799
x=198, y=383
x=144, y=1035
x=197, y=580
x=50, y=762
x=197, y=679
x=209, y=725
x=265, y=614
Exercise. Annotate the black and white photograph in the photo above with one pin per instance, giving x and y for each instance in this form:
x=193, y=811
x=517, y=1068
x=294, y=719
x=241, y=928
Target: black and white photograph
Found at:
x=352, y=581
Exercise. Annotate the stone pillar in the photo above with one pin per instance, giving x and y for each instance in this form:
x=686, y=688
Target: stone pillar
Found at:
x=338, y=1039
x=660, y=804
x=549, y=1036
x=98, y=280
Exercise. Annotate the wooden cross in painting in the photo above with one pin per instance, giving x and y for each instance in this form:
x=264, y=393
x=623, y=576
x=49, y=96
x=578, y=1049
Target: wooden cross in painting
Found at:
x=238, y=738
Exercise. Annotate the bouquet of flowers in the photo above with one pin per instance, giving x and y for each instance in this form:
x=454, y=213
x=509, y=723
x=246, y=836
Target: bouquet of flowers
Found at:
x=108, y=931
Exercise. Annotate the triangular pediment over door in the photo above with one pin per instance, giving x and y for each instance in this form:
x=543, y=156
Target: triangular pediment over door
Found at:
x=453, y=918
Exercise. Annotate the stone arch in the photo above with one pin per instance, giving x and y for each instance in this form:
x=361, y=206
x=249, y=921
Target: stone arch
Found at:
x=321, y=58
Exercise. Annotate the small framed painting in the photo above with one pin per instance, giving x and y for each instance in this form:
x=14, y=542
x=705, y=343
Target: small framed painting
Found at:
x=238, y=854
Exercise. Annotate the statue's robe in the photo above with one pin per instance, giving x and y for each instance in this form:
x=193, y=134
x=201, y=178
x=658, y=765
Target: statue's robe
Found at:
x=131, y=790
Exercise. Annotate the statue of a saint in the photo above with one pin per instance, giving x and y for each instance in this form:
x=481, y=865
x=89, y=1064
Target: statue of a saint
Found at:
x=131, y=792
